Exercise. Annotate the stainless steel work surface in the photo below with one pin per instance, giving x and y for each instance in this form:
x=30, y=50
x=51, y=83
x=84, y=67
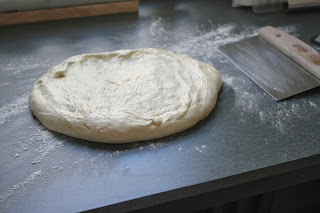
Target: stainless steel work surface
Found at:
x=247, y=136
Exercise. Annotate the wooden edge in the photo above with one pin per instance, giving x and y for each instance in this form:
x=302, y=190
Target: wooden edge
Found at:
x=68, y=12
x=297, y=50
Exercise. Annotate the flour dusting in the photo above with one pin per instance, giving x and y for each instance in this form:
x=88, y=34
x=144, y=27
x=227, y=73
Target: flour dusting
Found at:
x=155, y=145
x=204, y=45
x=251, y=103
x=157, y=27
x=17, y=65
x=78, y=161
x=199, y=149
x=314, y=105
x=4, y=84
x=41, y=137
x=246, y=98
x=47, y=144
x=22, y=186
x=16, y=107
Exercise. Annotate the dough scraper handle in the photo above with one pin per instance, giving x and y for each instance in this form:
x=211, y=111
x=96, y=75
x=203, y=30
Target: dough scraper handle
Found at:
x=297, y=50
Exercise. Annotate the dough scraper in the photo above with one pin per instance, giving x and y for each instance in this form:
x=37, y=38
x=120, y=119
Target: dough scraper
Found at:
x=279, y=63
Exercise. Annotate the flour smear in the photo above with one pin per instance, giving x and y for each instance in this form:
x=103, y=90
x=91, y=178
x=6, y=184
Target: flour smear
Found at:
x=8, y=197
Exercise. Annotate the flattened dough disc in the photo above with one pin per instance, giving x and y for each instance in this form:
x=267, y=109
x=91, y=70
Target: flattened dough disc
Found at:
x=126, y=95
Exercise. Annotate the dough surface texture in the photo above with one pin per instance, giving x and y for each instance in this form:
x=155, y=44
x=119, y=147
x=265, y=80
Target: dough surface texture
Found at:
x=126, y=95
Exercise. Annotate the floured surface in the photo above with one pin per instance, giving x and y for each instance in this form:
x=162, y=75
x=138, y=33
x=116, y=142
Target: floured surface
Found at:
x=126, y=95
x=247, y=130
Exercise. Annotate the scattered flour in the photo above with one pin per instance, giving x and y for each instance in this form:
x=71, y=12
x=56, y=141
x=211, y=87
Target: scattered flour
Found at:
x=155, y=145
x=78, y=161
x=4, y=84
x=245, y=98
x=45, y=140
x=200, y=149
x=17, y=65
x=251, y=102
x=47, y=144
x=98, y=156
x=203, y=45
x=314, y=105
x=22, y=186
x=17, y=107
x=181, y=148
x=157, y=27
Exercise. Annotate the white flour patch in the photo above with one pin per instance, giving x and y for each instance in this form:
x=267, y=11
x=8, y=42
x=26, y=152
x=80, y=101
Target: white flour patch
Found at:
x=178, y=148
x=247, y=99
x=203, y=42
x=4, y=84
x=98, y=156
x=24, y=141
x=282, y=114
x=157, y=27
x=17, y=107
x=200, y=149
x=17, y=65
x=47, y=144
x=314, y=105
x=23, y=147
x=19, y=187
x=204, y=45
x=251, y=103
x=155, y=145
x=78, y=161
x=117, y=153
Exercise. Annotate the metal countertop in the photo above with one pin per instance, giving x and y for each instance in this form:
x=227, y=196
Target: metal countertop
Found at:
x=247, y=135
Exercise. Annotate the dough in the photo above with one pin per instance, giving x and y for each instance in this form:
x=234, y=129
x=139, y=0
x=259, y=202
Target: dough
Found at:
x=125, y=95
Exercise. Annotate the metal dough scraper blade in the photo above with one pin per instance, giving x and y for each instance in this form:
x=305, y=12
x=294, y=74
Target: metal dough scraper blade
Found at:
x=265, y=61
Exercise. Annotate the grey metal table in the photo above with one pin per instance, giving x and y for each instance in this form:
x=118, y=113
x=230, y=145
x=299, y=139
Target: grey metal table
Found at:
x=248, y=136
